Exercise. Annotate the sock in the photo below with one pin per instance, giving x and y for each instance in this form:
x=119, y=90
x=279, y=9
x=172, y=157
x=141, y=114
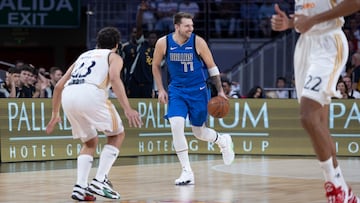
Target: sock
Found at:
x=84, y=164
x=107, y=158
x=183, y=157
x=340, y=178
x=329, y=171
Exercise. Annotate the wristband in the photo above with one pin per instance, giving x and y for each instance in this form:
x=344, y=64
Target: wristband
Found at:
x=214, y=71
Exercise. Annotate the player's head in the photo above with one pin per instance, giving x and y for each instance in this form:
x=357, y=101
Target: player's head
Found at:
x=184, y=23
x=108, y=38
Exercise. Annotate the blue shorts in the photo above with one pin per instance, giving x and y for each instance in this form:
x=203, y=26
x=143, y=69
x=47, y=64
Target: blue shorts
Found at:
x=189, y=101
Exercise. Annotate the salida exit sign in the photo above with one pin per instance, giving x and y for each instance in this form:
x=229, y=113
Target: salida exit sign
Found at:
x=40, y=13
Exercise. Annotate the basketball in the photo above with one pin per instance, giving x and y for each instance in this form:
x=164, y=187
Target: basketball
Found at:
x=218, y=107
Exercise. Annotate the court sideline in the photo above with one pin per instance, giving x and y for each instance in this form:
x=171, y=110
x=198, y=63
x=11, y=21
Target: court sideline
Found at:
x=149, y=179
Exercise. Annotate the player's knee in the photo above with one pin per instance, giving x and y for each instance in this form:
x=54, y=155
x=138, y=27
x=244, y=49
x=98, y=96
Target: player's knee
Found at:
x=199, y=132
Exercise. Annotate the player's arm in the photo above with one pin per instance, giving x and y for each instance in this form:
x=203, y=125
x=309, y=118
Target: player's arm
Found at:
x=159, y=53
x=346, y=7
x=280, y=21
x=203, y=50
x=56, y=100
x=116, y=64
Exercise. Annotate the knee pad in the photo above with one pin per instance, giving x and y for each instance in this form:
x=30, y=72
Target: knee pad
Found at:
x=203, y=133
x=177, y=129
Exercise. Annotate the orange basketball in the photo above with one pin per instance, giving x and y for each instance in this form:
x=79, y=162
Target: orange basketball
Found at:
x=218, y=107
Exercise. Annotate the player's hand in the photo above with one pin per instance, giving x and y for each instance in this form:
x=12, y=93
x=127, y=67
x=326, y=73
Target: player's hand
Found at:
x=279, y=21
x=162, y=97
x=55, y=119
x=302, y=23
x=133, y=118
x=223, y=95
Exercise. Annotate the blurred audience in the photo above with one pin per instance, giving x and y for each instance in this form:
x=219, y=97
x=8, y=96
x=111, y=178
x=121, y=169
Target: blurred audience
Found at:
x=256, y=92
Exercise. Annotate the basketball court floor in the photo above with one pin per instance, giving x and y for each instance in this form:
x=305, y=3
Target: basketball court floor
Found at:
x=150, y=179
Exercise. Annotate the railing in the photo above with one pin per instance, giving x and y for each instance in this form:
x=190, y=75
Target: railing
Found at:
x=240, y=19
x=263, y=65
x=259, y=66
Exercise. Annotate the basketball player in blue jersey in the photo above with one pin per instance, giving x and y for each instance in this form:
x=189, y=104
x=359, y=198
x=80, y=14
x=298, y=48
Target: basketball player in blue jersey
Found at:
x=190, y=63
x=320, y=56
x=83, y=94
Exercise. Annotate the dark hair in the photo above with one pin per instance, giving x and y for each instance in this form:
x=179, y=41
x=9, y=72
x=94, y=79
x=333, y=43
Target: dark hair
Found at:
x=26, y=67
x=108, y=38
x=14, y=70
x=253, y=90
x=54, y=69
x=281, y=78
x=180, y=15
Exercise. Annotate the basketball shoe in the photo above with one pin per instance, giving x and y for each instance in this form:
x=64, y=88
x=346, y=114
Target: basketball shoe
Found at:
x=104, y=189
x=186, y=178
x=335, y=194
x=82, y=194
x=226, y=147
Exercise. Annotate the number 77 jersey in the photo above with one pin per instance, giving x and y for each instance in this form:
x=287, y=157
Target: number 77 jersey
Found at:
x=185, y=66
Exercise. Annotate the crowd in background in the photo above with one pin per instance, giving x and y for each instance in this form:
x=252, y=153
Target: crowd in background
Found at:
x=27, y=81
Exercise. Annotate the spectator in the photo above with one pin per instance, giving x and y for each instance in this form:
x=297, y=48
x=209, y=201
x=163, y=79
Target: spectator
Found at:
x=19, y=63
x=3, y=91
x=255, y=92
x=55, y=74
x=355, y=70
x=351, y=91
x=341, y=86
x=11, y=82
x=25, y=90
x=224, y=18
x=352, y=41
x=188, y=6
x=293, y=94
x=249, y=21
x=38, y=84
x=266, y=10
x=280, y=84
x=141, y=82
x=165, y=11
x=227, y=87
x=128, y=52
x=355, y=30
x=149, y=17
x=42, y=70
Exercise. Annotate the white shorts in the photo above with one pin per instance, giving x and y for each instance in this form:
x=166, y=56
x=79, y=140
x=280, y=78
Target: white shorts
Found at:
x=318, y=63
x=89, y=110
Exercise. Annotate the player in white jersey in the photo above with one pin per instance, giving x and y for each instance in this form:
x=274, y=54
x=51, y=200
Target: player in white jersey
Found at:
x=320, y=55
x=83, y=93
x=347, y=7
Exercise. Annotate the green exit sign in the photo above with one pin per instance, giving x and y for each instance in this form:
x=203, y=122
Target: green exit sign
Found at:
x=40, y=13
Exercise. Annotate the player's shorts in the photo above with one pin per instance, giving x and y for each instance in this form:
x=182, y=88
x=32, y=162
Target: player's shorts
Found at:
x=318, y=62
x=89, y=110
x=189, y=101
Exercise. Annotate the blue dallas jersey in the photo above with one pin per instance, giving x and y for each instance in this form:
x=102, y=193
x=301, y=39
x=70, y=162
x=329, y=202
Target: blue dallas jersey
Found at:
x=186, y=69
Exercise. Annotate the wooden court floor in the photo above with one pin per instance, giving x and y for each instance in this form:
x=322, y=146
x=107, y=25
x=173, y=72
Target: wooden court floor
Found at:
x=149, y=179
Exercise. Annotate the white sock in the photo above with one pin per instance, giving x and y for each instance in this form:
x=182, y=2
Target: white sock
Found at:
x=180, y=142
x=84, y=164
x=340, y=178
x=107, y=158
x=183, y=157
x=329, y=171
